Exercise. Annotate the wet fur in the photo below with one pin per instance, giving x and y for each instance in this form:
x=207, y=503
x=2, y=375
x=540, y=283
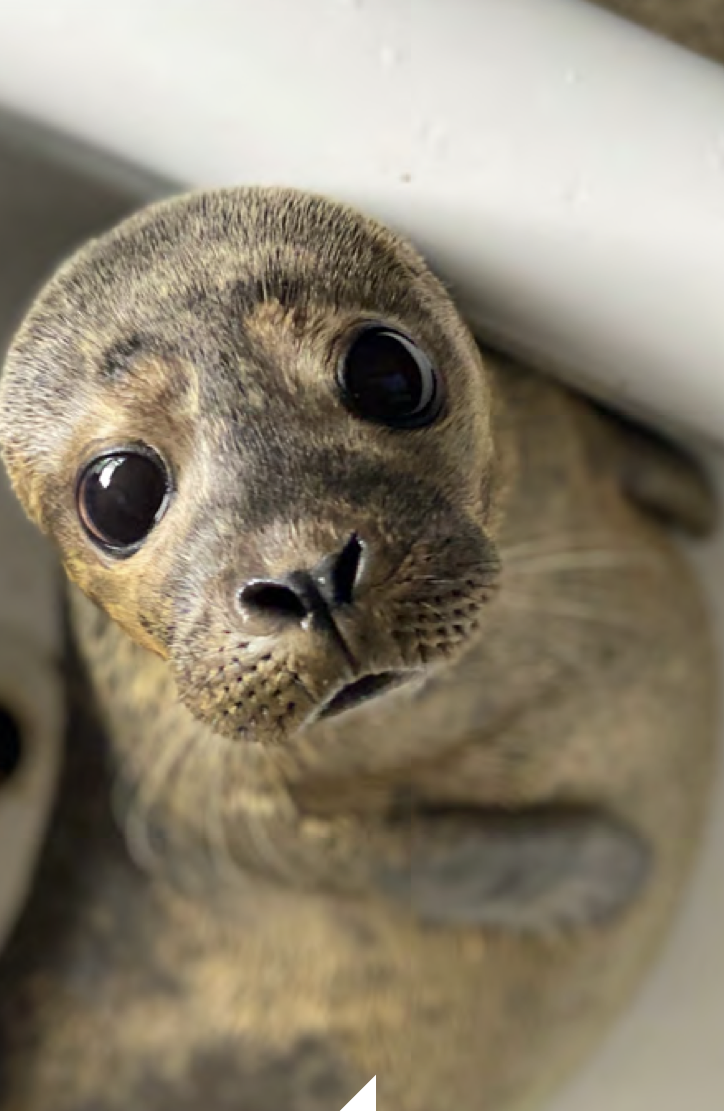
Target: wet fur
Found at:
x=454, y=887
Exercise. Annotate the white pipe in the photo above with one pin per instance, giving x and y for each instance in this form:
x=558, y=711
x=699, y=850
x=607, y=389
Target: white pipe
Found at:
x=563, y=169
x=31, y=693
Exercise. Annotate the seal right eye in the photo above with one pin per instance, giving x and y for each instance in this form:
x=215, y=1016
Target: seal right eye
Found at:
x=386, y=378
x=121, y=497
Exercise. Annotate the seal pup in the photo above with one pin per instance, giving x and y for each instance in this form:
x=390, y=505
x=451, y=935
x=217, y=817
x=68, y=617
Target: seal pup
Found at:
x=410, y=695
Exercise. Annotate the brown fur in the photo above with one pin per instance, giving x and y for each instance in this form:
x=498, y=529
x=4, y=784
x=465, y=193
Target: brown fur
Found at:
x=315, y=914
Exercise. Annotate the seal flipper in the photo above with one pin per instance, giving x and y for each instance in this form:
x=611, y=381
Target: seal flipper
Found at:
x=531, y=872
x=663, y=478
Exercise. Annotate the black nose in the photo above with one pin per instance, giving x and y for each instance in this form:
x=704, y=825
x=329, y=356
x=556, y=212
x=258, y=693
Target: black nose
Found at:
x=303, y=594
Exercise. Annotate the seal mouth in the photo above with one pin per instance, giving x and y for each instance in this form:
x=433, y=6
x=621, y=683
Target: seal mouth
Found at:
x=363, y=690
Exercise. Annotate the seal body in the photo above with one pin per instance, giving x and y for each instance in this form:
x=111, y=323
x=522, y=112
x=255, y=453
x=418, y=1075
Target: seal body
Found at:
x=411, y=716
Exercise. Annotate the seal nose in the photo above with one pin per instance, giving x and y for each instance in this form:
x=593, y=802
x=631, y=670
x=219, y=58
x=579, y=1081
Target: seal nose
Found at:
x=337, y=575
x=303, y=594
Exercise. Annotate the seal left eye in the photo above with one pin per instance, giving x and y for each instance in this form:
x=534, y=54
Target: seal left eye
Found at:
x=121, y=497
x=388, y=379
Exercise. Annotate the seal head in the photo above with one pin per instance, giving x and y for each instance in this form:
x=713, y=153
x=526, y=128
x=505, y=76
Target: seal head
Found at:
x=260, y=434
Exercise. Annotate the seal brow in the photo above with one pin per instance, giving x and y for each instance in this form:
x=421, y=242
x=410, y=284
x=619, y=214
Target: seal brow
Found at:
x=120, y=356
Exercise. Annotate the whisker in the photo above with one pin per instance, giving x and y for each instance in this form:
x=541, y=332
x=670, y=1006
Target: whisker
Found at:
x=600, y=560
x=584, y=541
x=255, y=828
x=193, y=777
x=223, y=865
x=149, y=785
x=531, y=603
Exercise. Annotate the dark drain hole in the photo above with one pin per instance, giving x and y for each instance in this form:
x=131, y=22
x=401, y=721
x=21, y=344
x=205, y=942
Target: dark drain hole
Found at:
x=11, y=746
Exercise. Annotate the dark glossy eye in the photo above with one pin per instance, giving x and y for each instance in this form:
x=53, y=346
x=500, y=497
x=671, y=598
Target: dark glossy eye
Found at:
x=386, y=378
x=121, y=496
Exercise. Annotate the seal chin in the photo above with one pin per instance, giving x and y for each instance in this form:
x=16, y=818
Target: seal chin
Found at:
x=363, y=690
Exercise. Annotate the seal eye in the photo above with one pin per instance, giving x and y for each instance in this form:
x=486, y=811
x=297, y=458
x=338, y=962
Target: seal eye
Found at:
x=121, y=496
x=386, y=378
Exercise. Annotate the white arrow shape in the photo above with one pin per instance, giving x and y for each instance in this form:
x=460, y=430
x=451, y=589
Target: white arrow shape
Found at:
x=366, y=1100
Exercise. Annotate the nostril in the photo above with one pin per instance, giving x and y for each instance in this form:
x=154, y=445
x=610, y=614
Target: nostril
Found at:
x=344, y=571
x=274, y=600
x=299, y=595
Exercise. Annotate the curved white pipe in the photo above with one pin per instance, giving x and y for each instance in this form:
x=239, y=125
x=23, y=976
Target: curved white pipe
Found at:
x=563, y=169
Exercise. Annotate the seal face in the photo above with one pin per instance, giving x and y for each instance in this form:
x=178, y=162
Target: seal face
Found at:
x=281, y=477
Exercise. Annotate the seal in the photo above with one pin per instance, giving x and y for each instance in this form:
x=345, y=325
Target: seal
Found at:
x=411, y=696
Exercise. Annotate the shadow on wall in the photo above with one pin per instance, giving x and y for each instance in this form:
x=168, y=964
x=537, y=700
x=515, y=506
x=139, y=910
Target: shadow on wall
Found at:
x=54, y=194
